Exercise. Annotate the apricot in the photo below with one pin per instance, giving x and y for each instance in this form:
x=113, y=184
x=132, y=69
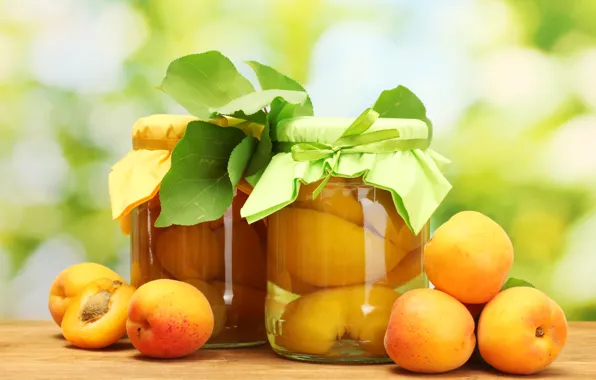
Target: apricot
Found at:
x=245, y=310
x=469, y=257
x=315, y=322
x=325, y=250
x=216, y=302
x=96, y=318
x=169, y=319
x=248, y=262
x=429, y=332
x=521, y=331
x=190, y=252
x=71, y=281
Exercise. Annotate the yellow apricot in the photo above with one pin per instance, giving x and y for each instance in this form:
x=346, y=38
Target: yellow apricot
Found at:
x=315, y=322
x=69, y=283
x=96, y=318
x=325, y=250
x=469, y=257
x=190, y=252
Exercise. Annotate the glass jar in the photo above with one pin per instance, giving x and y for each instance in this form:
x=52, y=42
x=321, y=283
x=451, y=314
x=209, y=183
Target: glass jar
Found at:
x=348, y=203
x=225, y=259
x=336, y=265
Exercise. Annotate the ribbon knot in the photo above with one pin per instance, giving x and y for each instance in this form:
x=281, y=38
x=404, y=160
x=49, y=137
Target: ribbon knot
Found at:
x=354, y=140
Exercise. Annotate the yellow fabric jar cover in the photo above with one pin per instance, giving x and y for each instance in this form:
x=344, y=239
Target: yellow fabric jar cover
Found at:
x=136, y=178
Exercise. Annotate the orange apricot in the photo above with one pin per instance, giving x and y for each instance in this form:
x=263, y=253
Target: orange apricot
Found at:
x=521, y=331
x=429, y=332
x=96, y=318
x=469, y=257
x=169, y=319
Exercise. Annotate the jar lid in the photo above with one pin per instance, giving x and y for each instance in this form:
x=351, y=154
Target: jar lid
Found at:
x=163, y=131
x=392, y=154
x=137, y=177
x=328, y=130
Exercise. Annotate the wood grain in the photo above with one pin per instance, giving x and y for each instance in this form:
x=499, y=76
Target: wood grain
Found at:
x=36, y=350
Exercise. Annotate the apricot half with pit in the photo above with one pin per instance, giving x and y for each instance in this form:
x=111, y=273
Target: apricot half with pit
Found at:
x=96, y=318
x=71, y=281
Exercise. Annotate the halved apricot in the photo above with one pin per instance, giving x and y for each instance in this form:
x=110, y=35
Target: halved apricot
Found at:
x=97, y=317
x=71, y=281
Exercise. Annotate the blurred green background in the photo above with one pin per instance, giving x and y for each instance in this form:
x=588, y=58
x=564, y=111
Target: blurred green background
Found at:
x=510, y=87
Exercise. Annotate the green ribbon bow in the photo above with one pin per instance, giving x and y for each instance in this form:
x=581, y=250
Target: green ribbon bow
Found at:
x=353, y=140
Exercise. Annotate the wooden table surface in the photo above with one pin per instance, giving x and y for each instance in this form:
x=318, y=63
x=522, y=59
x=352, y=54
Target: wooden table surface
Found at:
x=36, y=350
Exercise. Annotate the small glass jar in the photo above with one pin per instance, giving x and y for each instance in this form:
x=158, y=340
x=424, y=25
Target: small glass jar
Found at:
x=225, y=259
x=336, y=265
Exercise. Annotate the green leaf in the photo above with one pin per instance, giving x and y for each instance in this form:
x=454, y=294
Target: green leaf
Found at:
x=197, y=188
x=203, y=82
x=402, y=103
x=515, y=282
x=240, y=157
x=256, y=101
x=271, y=79
x=260, y=159
x=258, y=117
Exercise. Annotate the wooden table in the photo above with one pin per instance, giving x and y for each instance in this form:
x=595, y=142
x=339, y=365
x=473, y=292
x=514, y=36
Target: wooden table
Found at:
x=36, y=350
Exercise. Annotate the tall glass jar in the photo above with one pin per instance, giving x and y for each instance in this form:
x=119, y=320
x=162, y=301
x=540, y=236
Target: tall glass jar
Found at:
x=225, y=259
x=336, y=266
